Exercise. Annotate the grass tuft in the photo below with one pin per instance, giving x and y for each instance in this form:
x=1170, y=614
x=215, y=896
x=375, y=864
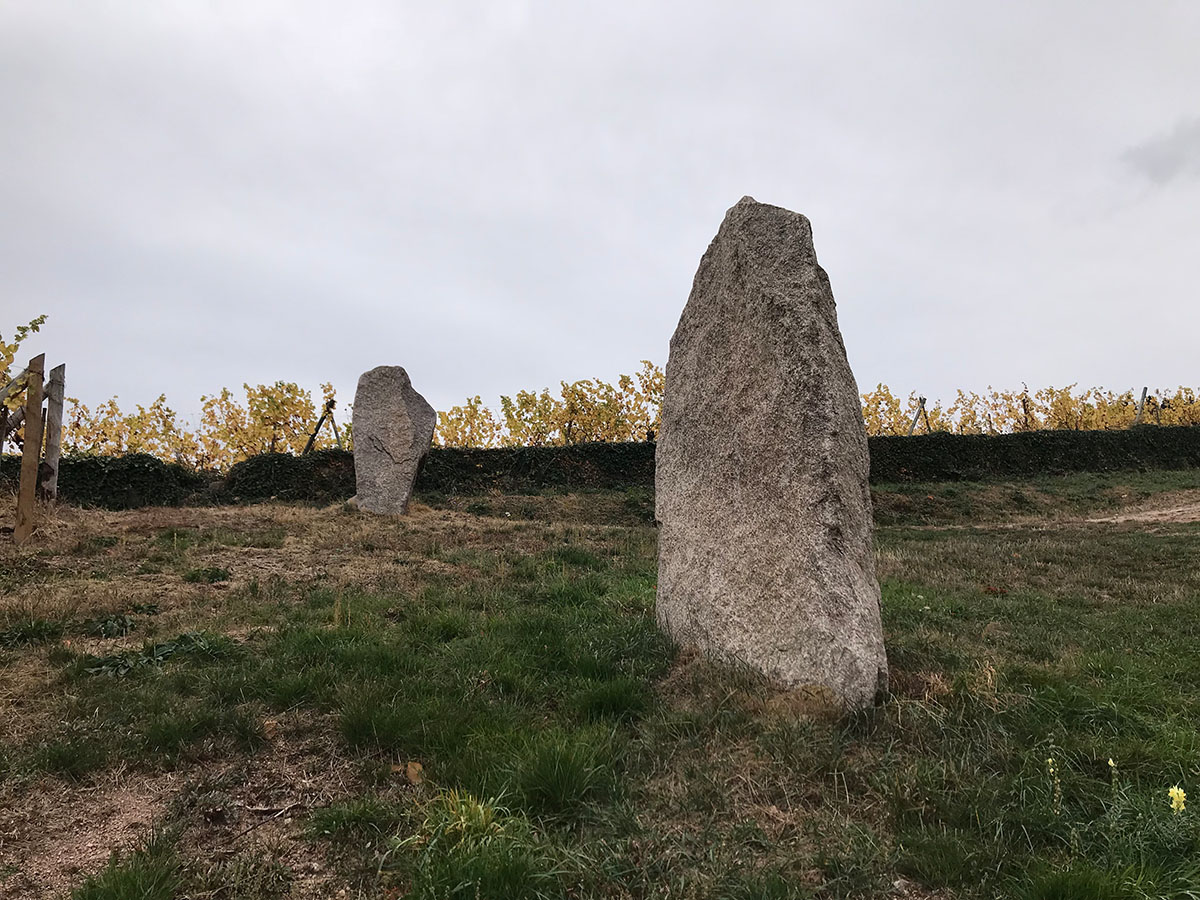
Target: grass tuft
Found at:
x=558, y=773
x=152, y=873
x=477, y=850
x=31, y=632
x=206, y=575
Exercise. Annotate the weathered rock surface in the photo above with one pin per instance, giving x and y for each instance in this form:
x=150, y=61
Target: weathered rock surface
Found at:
x=765, y=549
x=393, y=429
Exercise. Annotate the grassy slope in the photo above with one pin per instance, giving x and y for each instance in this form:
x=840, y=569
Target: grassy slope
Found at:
x=476, y=703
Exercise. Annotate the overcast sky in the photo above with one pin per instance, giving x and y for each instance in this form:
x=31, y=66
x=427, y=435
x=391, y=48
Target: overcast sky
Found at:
x=502, y=194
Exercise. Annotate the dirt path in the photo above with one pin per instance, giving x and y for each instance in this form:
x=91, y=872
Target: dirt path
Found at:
x=1171, y=509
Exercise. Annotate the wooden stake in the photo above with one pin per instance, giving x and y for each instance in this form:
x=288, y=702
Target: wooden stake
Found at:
x=337, y=437
x=56, y=388
x=31, y=454
x=312, y=438
x=917, y=417
x=1137, y=420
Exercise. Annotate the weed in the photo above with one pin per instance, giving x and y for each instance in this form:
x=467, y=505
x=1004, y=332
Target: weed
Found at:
x=32, y=631
x=151, y=655
x=110, y=626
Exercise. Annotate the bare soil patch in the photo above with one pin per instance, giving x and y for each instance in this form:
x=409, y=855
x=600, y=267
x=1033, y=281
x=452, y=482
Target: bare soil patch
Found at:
x=53, y=834
x=1172, y=509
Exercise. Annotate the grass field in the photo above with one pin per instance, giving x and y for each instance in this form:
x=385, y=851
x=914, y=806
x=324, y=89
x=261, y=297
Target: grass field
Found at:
x=474, y=702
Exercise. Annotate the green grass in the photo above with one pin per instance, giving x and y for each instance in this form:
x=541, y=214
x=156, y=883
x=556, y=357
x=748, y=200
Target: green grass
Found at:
x=568, y=750
x=151, y=873
x=478, y=850
x=179, y=540
x=360, y=818
x=1075, y=495
x=206, y=575
x=29, y=632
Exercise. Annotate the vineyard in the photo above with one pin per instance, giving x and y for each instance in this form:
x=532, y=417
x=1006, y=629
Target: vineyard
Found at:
x=281, y=417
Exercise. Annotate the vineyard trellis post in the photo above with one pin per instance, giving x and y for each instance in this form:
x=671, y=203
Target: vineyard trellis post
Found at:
x=38, y=475
x=917, y=416
x=326, y=413
x=31, y=450
x=55, y=396
x=1137, y=420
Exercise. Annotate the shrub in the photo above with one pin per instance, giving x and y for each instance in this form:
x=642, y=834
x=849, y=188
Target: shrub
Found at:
x=117, y=482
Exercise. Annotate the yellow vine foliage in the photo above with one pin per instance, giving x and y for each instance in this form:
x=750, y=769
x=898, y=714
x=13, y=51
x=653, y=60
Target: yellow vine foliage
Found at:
x=1003, y=412
x=154, y=429
x=469, y=425
x=272, y=418
x=280, y=417
x=582, y=411
x=8, y=354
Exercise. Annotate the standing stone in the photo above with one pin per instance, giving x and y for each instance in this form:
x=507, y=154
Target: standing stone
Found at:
x=393, y=428
x=765, y=551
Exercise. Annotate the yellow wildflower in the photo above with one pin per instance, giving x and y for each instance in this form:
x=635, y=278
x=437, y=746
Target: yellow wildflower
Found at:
x=1178, y=798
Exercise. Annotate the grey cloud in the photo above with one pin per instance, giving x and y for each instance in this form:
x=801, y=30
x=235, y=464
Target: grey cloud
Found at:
x=1170, y=157
x=501, y=195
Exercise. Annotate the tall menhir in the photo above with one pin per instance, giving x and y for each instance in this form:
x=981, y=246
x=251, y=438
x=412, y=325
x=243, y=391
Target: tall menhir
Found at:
x=765, y=551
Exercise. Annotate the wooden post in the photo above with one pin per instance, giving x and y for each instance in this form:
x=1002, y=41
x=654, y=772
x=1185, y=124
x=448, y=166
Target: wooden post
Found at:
x=917, y=416
x=56, y=388
x=337, y=437
x=312, y=438
x=31, y=453
x=1137, y=420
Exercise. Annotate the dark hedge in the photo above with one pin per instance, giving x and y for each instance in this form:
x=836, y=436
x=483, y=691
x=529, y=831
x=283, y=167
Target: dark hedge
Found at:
x=117, y=482
x=951, y=457
x=323, y=476
x=327, y=476
x=452, y=470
